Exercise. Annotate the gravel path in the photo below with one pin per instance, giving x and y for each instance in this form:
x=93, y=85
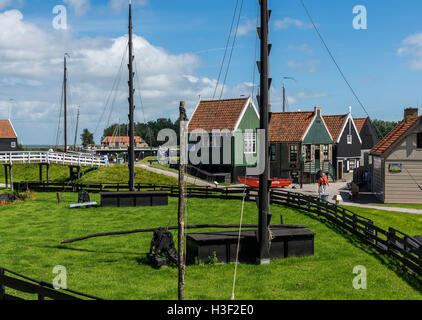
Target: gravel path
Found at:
x=197, y=182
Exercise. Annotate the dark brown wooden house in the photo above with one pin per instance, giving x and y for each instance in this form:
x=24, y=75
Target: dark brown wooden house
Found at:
x=347, y=143
x=369, y=139
x=8, y=136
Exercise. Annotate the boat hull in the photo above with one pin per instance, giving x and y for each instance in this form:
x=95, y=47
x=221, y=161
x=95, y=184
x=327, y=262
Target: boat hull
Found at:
x=275, y=182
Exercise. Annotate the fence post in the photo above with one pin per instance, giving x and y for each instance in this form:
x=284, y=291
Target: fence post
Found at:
x=2, y=287
x=390, y=235
x=355, y=222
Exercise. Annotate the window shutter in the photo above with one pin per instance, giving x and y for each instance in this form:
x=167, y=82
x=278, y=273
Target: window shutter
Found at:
x=330, y=153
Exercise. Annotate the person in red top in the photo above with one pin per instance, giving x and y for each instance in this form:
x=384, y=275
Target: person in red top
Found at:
x=323, y=183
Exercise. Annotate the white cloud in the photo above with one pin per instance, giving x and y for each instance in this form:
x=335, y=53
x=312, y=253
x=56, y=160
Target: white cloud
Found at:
x=304, y=66
x=412, y=46
x=31, y=73
x=303, y=48
x=246, y=27
x=80, y=7
x=118, y=5
x=288, y=22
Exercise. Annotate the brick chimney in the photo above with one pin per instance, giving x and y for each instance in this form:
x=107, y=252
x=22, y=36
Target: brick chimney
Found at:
x=410, y=114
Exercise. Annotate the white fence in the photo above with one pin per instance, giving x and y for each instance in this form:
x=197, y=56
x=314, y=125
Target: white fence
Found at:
x=67, y=159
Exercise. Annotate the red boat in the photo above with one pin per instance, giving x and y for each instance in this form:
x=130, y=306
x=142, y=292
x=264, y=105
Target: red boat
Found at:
x=275, y=182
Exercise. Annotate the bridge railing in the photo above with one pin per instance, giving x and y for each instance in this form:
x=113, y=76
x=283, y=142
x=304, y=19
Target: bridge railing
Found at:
x=27, y=157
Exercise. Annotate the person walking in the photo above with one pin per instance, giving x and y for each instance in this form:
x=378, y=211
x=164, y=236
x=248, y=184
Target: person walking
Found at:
x=322, y=184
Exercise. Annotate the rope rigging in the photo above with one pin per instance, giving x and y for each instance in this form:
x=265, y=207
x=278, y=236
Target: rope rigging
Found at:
x=232, y=49
x=225, y=51
x=113, y=92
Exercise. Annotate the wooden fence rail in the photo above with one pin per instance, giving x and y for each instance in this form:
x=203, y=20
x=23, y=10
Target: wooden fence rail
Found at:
x=404, y=248
x=42, y=290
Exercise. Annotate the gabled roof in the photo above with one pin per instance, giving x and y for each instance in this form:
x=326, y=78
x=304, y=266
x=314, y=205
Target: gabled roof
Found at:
x=7, y=130
x=336, y=124
x=395, y=135
x=360, y=122
x=290, y=126
x=219, y=114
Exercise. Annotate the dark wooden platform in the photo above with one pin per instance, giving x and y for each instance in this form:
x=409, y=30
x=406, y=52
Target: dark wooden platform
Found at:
x=134, y=199
x=286, y=243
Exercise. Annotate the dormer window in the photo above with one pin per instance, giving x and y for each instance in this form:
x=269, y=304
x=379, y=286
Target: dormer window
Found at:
x=419, y=140
x=349, y=139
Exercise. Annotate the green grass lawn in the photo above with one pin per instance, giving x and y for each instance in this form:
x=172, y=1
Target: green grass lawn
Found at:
x=112, y=174
x=401, y=205
x=410, y=224
x=115, y=267
x=30, y=172
x=120, y=174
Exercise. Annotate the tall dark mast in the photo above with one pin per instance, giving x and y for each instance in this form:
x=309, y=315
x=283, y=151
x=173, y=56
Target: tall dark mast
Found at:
x=65, y=103
x=131, y=151
x=263, y=232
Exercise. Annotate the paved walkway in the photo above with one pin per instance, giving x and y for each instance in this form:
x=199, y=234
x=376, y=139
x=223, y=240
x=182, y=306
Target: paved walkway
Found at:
x=197, y=182
x=366, y=199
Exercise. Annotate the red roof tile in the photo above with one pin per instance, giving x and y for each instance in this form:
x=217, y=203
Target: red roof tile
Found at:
x=359, y=122
x=394, y=135
x=6, y=129
x=289, y=126
x=217, y=114
x=335, y=124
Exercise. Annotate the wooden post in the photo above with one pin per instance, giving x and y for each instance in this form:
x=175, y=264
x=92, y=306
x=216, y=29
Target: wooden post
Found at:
x=2, y=287
x=59, y=199
x=5, y=175
x=11, y=176
x=181, y=217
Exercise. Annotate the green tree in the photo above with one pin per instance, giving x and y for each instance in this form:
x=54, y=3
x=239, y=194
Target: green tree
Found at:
x=147, y=131
x=87, y=138
x=382, y=127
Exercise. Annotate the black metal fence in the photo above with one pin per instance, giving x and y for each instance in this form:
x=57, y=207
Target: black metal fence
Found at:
x=404, y=248
x=43, y=290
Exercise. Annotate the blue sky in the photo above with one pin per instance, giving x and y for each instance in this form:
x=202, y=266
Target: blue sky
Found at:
x=180, y=48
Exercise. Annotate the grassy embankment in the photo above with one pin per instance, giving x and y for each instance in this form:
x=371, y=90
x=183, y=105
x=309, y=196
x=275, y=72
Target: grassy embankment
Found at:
x=116, y=267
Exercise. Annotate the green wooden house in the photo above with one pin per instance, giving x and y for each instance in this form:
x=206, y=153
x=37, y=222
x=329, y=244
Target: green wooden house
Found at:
x=231, y=127
x=300, y=142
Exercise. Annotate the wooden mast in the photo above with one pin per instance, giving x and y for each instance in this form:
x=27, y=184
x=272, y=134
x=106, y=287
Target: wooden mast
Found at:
x=65, y=103
x=131, y=150
x=181, y=216
x=264, y=183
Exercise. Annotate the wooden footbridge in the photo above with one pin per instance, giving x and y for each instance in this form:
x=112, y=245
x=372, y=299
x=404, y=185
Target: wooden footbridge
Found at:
x=44, y=158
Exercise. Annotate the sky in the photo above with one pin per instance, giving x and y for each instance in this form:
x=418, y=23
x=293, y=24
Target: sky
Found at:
x=179, y=48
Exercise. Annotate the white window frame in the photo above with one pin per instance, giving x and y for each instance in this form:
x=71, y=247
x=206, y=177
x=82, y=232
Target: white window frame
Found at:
x=349, y=139
x=295, y=151
x=249, y=142
x=326, y=152
x=13, y=144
